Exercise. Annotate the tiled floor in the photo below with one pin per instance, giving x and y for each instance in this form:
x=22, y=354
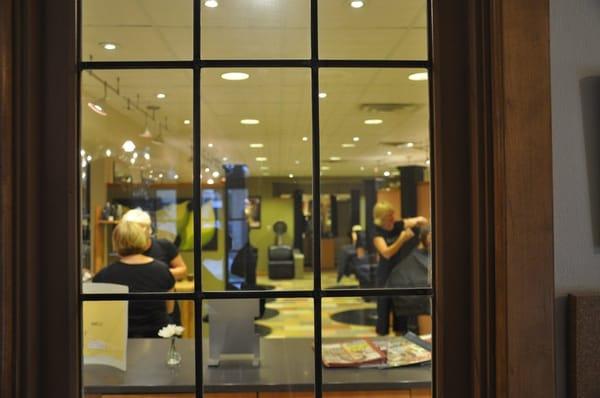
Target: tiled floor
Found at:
x=295, y=318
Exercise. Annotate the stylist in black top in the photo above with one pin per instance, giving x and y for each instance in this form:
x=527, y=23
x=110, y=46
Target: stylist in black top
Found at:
x=141, y=274
x=394, y=241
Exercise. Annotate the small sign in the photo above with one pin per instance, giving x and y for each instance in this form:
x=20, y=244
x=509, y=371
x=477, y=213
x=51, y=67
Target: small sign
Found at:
x=105, y=327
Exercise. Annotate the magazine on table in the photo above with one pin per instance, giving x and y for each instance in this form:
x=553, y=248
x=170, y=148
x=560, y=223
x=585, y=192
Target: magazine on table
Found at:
x=380, y=352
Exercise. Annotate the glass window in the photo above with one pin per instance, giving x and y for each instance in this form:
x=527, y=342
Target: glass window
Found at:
x=368, y=29
x=123, y=352
x=242, y=29
x=256, y=163
x=229, y=172
x=144, y=30
x=136, y=149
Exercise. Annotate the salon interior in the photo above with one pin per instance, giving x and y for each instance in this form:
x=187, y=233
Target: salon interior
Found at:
x=224, y=160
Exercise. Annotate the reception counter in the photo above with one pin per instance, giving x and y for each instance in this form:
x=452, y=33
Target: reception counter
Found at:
x=286, y=370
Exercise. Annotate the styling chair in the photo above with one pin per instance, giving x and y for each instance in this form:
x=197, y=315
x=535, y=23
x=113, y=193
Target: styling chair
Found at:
x=281, y=257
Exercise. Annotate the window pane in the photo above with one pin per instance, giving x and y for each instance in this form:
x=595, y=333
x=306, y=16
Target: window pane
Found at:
x=116, y=360
x=374, y=141
x=255, y=29
x=117, y=30
x=256, y=179
x=282, y=332
x=381, y=29
x=136, y=153
x=356, y=358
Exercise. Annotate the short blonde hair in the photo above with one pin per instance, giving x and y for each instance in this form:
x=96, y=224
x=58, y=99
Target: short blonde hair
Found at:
x=140, y=217
x=129, y=238
x=380, y=210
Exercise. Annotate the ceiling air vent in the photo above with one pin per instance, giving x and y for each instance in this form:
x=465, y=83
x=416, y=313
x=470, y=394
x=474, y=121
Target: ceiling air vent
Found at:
x=388, y=107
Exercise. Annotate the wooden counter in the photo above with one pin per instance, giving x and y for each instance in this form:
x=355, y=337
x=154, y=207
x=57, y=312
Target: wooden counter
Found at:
x=286, y=371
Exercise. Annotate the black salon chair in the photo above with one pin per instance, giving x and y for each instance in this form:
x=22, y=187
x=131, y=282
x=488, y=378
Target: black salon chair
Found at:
x=281, y=262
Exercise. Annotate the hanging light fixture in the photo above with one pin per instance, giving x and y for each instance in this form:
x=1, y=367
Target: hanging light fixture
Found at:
x=146, y=133
x=158, y=139
x=99, y=105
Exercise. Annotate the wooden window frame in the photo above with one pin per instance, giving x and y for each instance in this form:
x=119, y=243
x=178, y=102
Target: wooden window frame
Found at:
x=492, y=163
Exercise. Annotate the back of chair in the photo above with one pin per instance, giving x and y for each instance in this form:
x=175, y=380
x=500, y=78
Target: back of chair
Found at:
x=281, y=253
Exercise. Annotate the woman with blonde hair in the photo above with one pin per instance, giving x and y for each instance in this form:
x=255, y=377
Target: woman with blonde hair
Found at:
x=394, y=241
x=141, y=274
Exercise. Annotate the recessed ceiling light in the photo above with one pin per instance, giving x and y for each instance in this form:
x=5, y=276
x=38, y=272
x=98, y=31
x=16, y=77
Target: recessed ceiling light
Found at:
x=109, y=46
x=325, y=168
x=373, y=121
x=108, y=153
x=386, y=173
x=348, y=145
x=176, y=176
x=206, y=170
x=235, y=76
x=261, y=159
x=82, y=152
x=128, y=146
x=216, y=174
x=256, y=145
x=355, y=139
x=83, y=164
x=297, y=161
x=161, y=95
x=225, y=159
x=187, y=121
x=83, y=175
x=210, y=181
x=147, y=156
x=249, y=121
x=132, y=161
x=357, y=4
x=160, y=175
x=322, y=95
x=291, y=175
x=135, y=155
x=418, y=77
x=335, y=158
x=427, y=162
x=304, y=139
x=410, y=144
x=362, y=168
x=389, y=153
x=210, y=145
x=211, y=3
x=89, y=158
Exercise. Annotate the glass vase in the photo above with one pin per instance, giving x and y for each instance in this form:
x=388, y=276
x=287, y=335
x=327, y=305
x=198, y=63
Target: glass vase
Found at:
x=173, y=356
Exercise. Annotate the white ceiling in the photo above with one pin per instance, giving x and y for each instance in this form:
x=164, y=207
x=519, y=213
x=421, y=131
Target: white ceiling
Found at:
x=279, y=98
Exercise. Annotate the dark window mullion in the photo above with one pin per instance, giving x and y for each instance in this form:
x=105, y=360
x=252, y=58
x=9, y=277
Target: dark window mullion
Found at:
x=252, y=63
x=197, y=194
x=316, y=194
x=432, y=185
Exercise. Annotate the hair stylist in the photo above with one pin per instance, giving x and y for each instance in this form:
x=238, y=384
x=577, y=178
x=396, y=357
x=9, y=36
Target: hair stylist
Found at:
x=394, y=240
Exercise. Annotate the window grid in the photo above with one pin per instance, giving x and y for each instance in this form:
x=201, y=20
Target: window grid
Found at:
x=315, y=64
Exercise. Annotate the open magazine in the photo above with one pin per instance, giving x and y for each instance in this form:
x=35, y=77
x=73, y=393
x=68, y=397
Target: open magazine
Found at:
x=381, y=352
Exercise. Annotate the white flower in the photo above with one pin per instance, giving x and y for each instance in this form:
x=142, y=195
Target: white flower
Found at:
x=170, y=331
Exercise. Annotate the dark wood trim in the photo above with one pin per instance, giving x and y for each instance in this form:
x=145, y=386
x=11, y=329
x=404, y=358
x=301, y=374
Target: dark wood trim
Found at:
x=7, y=279
x=39, y=219
x=451, y=204
x=493, y=195
x=523, y=209
x=492, y=168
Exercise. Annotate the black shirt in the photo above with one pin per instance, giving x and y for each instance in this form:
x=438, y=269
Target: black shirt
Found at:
x=145, y=317
x=390, y=237
x=162, y=250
